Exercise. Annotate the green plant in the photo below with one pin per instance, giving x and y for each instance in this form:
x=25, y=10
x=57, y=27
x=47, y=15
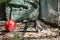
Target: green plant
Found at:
x=16, y=36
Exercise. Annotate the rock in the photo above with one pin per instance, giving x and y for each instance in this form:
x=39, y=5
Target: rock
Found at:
x=48, y=33
x=9, y=35
x=41, y=34
x=1, y=37
x=31, y=29
x=54, y=34
x=31, y=35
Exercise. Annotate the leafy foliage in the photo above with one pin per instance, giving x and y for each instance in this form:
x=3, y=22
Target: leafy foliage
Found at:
x=16, y=36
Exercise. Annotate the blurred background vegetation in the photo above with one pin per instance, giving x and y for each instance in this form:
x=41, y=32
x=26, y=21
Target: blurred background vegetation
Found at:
x=2, y=1
x=2, y=10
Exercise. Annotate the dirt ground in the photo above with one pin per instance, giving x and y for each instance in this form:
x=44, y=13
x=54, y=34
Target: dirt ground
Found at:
x=49, y=33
